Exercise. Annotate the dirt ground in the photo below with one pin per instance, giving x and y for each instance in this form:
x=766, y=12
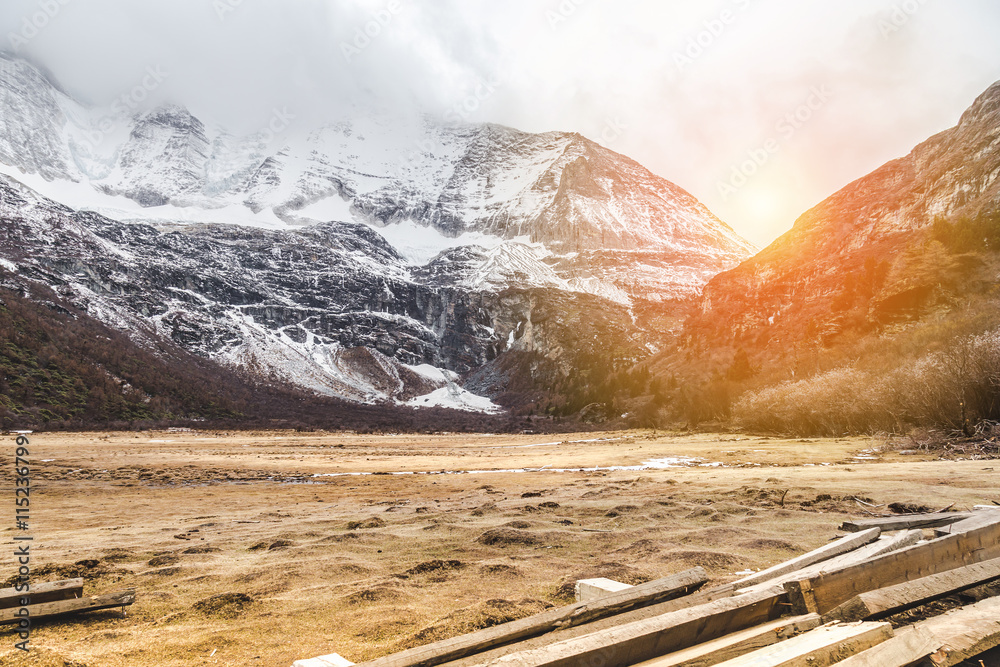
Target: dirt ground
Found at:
x=264, y=548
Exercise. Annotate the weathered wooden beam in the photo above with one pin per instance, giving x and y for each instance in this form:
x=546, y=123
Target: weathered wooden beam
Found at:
x=825, y=552
x=45, y=592
x=905, y=521
x=891, y=600
x=907, y=647
x=883, y=545
x=824, y=592
x=701, y=597
x=821, y=647
x=977, y=520
x=62, y=607
x=647, y=594
x=736, y=644
x=643, y=640
x=964, y=633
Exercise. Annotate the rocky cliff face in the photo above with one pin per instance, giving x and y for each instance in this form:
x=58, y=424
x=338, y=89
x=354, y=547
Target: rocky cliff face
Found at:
x=866, y=243
x=331, y=307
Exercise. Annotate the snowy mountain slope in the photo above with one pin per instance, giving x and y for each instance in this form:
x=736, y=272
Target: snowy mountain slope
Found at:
x=463, y=184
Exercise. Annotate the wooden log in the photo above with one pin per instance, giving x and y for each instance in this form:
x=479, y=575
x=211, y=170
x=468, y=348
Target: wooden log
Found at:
x=643, y=640
x=824, y=592
x=647, y=594
x=825, y=552
x=977, y=520
x=907, y=647
x=905, y=521
x=964, y=633
x=62, y=607
x=736, y=644
x=66, y=589
x=821, y=647
x=890, y=600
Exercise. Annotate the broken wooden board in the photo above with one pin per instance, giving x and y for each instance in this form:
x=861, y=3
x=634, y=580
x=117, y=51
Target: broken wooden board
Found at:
x=591, y=589
x=907, y=647
x=905, y=521
x=821, y=647
x=332, y=660
x=66, y=589
x=977, y=520
x=964, y=633
x=63, y=607
x=630, y=643
x=825, y=552
x=826, y=591
x=736, y=644
x=891, y=600
x=647, y=594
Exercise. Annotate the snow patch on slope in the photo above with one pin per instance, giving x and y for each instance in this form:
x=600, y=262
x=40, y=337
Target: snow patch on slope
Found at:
x=456, y=398
x=419, y=244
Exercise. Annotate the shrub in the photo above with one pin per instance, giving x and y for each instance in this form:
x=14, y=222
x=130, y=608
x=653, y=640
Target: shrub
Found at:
x=957, y=388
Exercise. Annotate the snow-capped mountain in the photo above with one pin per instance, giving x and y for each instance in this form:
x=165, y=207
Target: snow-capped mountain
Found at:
x=368, y=258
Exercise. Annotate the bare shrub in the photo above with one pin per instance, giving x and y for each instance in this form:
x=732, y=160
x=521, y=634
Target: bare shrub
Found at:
x=957, y=388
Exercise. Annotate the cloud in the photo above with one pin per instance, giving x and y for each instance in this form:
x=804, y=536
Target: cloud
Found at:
x=690, y=89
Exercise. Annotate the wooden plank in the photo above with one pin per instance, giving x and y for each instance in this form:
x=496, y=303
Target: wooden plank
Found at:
x=699, y=598
x=647, y=594
x=630, y=643
x=821, y=647
x=62, y=607
x=825, y=552
x=890, y=600
x=824, y=592
x=907, y=647
x=66, y=589
x=883, y=545
x=736, y=644
x=978, y=520
x=964, y=633
x=905, y=521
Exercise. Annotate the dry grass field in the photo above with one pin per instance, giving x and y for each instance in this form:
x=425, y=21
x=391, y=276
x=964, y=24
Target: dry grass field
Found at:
x=259, y=549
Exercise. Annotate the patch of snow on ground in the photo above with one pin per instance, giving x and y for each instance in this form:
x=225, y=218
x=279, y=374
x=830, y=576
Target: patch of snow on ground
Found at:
x=456, y=398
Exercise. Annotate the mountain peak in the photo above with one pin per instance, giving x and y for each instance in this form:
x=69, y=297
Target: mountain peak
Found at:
x=985, y=108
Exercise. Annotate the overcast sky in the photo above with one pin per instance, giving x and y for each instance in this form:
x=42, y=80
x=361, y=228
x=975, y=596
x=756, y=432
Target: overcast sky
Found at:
x=760, y=108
